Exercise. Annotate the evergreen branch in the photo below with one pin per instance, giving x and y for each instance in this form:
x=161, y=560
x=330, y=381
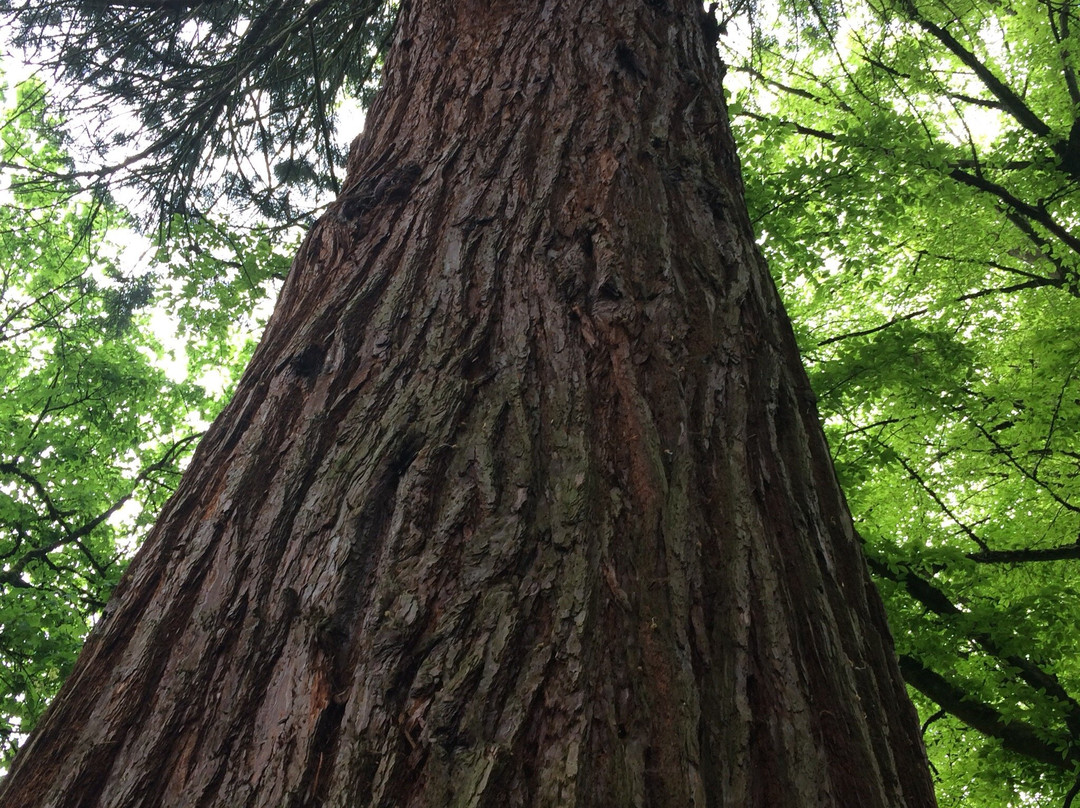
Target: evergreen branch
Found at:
x=199, y=100
x=320, y=109
x=153, y=5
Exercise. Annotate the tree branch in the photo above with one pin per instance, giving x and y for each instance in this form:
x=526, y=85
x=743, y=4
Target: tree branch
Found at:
x=73, y=536
x=938, y=602
x=320, y=110
x=53, y=512
x=1027, y=554
x=1061, y=34
x=971, y=534
x=1016, y=736
x=802, y=130
x=797, y=91
x=1010, y=101
x=1032, y=212
x=1060, y=500
x=967, y=99
x=866, y=331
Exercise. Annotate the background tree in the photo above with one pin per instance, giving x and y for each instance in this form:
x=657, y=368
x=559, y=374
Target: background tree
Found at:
x=95, y=430
x=528, y=386
x=913, y=170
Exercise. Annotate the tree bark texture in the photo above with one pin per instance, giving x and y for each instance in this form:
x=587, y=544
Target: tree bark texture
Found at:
x=523, y=500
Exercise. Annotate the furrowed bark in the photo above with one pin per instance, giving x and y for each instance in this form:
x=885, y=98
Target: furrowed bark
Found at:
x=523, y=499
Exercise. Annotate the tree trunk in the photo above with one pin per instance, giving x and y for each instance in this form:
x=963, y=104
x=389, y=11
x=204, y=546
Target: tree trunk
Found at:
x=523, y=500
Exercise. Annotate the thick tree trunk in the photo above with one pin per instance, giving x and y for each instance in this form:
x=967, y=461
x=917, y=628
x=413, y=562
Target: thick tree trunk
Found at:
x=523, y=499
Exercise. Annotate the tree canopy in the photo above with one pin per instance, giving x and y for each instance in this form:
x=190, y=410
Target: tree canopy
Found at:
x=95, y=426
x=912, y=167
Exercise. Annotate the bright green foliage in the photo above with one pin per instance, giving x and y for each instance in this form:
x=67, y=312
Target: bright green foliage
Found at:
x=94, y=430
x=913, y=169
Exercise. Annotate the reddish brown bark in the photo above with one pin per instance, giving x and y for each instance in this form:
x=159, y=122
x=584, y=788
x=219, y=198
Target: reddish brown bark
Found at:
x=523, y=499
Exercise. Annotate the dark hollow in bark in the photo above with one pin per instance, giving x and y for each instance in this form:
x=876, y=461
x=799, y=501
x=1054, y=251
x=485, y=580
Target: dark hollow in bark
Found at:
x=523, y=500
